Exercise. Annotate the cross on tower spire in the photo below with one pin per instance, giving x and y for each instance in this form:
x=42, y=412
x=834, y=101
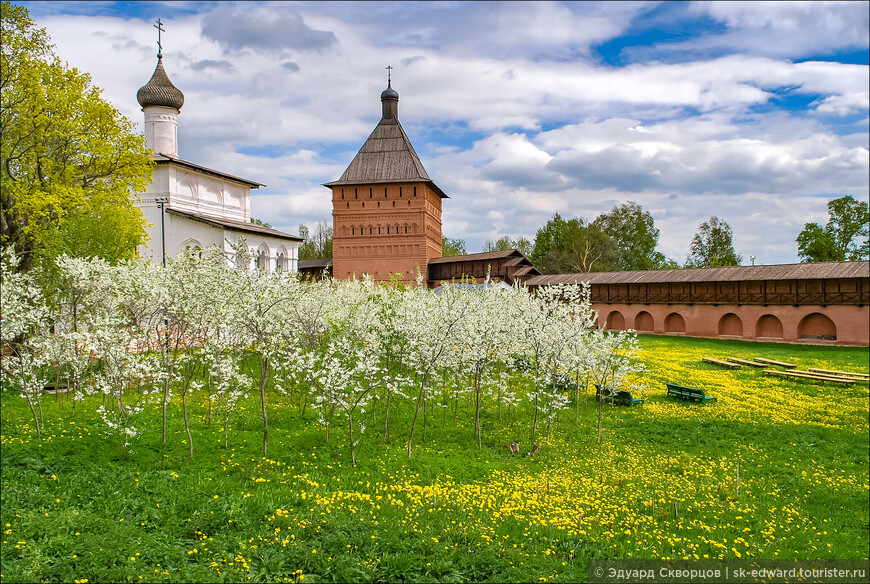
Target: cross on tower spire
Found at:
x=389, y=69
x=159, y=27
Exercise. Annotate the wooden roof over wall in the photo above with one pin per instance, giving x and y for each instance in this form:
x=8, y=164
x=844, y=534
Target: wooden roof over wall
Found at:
x=810, y=271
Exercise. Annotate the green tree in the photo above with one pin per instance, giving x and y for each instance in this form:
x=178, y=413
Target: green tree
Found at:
x=505, y=243
x=451, y=246
x=317, y=245
x=840, y=239
x=712, y=246
x=573, y=246
x=68, y=157
x=636, y=237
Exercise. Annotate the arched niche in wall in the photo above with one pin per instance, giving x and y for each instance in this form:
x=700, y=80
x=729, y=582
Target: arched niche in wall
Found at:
x=643, y=322
x=817, y=326
x=615, y=321
x=674, y=323
x=187, y=188
x=768, y=327
x=233, y=199
x=211, y=193
x=730, y=325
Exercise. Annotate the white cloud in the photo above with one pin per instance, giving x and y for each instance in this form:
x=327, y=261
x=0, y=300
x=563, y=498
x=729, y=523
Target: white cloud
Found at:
x=517, y=119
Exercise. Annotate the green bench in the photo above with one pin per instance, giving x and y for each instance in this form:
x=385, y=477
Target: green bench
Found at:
x=689, y=393
x=620, y=397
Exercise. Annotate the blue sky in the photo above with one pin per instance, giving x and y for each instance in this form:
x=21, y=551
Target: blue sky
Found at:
x=756, y=112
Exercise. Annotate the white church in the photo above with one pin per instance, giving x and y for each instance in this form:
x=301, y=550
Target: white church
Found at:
x=189, y=206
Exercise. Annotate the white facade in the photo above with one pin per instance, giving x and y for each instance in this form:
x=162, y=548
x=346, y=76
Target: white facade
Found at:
x=189, y=206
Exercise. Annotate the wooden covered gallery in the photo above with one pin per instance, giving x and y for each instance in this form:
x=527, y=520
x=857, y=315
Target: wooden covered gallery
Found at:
x=502, y=266
x=818, y=302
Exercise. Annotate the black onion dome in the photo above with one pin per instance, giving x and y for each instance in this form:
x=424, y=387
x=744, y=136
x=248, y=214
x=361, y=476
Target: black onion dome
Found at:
x=389, y=93
x=160, y=91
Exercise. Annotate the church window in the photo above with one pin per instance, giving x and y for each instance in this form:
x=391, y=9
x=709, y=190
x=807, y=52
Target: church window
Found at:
x=415, y=191
x=370, y=193
x=388, y=229
x=406, y=229
x=400, y=192
x=348, y=205
x=379, y=229
x=379, y=203
x=409, y=203
x=385, y=192
x=342, y=193
x=394, y=203
x=353, y=230
x=364, y=204
x=370, y=229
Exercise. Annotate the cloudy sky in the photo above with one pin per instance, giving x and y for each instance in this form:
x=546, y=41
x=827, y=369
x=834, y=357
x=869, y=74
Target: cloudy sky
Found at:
x=756, y=112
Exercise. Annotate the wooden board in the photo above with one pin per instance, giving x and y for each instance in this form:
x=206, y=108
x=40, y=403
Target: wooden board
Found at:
x=779, y=363
x=805, y=375
x=720, y=362
x=841, y=373
x=745, y=362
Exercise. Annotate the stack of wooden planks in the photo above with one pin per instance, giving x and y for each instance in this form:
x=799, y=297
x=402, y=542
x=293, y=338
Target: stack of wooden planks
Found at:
x=721, y=362
x=812, y=376
x=745, y=362
x=777, y=363
x=846, y=374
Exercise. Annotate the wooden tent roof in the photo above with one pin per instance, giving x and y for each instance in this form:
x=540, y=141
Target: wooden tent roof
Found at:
x=386, y=157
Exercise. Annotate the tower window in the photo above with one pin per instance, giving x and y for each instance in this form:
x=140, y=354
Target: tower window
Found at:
x=370, y=193
x=388, y=229
x=342, y=193
x=394, y=203
x=348, y=205
x=379, y=203
x=353, y=230
x=400, y=192
x=415, y=191
x=364, y=204
x=385, y=192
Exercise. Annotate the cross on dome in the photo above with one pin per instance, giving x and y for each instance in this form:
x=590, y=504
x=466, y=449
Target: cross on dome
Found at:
x=159, y=27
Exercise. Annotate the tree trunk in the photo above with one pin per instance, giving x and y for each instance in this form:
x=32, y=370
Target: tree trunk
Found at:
x=387, y=418
x=416, y=413
x=600, y=406
x=477, y=407
x=186, y=422
x=350, y=426
x=264, y=373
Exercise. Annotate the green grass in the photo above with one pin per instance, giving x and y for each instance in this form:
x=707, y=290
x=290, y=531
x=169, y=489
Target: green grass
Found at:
x=72, y=509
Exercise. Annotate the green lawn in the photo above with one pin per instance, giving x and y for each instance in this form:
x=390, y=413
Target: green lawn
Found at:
x=662, y=484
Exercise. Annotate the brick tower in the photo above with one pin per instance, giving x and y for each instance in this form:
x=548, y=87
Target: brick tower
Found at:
x=386, y=211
